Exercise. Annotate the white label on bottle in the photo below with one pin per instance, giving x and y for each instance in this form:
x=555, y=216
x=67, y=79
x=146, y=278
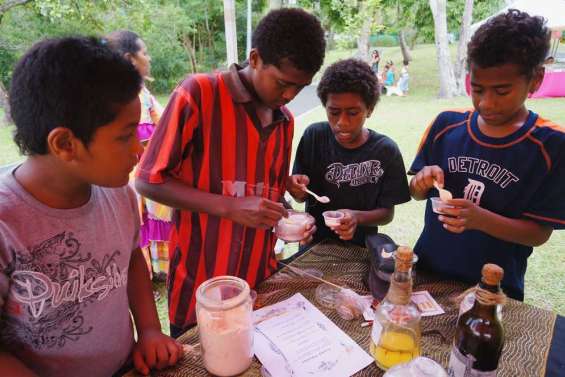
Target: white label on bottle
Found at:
x=467, y=303
x=376, y=332
x=462, y=366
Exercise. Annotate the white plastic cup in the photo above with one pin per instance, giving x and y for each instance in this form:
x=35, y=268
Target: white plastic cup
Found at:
x=439, y=205
x=333, y=218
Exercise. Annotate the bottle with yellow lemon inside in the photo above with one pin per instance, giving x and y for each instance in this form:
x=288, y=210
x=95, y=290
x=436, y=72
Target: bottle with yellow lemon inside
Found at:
x=395, y=337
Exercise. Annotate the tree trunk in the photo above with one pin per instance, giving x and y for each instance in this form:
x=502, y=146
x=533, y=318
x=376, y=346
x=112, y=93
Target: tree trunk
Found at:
x=189, y=48
x=209, y=33
x=248, y=40
x=404, y=46
x=464, y=37
x=363, y=39
x=230, y=29
x=275, y=4
x=5, y=105
x=446, y=77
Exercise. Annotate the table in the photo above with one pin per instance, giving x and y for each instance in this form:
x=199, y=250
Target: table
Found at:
x=535, y=338
x=553, y=85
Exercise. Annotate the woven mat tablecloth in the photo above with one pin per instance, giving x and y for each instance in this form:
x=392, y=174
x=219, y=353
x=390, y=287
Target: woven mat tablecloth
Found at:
x=528, y=330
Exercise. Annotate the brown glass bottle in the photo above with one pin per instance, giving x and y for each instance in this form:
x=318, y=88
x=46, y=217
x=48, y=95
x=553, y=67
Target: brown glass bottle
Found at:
x=479, y=336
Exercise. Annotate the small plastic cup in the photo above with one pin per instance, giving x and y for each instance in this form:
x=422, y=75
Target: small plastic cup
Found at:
x=332, y=218
x=439, y=205
x=293, y=227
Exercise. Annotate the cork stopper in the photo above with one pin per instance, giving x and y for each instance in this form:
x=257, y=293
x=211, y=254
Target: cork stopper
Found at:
x=404, y=256
x=492, y=274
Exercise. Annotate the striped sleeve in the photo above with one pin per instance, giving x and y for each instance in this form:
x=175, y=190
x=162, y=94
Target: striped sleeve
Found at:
x=173, y=136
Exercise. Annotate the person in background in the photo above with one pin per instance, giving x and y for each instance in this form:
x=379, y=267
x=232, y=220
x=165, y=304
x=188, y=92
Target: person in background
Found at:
x=389, y=74
x=360, y=170
x=156, y=218
x=404, y=79
x=221, y=156
x=504, y=164
x=70, y=265
x=375, y=59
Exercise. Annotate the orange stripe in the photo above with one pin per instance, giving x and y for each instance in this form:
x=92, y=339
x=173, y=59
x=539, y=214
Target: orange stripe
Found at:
x=542, y=150
x=425, y=136
x=549, y=219
x=448, y=128
x=540, y=122
x=495, y=146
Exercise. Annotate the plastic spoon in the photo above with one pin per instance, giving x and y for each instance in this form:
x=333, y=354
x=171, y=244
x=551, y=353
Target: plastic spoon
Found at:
x=443, y=193
x=321, y=199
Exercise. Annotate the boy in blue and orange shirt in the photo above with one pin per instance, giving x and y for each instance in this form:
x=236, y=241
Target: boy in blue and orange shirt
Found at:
x=503, y=163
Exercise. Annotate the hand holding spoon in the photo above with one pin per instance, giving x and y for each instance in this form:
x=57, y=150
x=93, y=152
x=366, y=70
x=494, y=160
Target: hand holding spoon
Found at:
x=443, y=193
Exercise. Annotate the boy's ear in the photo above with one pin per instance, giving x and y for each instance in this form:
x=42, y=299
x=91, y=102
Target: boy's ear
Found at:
x=62, y=143
x=537, y=79
x=254, y=58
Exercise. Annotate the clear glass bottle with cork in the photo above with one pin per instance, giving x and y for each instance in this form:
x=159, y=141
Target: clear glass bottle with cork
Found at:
x=395, y=337
x=479, y=336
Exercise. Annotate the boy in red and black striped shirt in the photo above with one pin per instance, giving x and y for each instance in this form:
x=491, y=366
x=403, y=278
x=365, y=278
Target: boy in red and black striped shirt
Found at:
x=221, y=156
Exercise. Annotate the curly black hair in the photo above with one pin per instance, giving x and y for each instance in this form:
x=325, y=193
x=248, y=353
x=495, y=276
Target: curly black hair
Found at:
x=123, y=41
x=291, y=33
x=513, y=37
x=350, y=76
x=75, y=82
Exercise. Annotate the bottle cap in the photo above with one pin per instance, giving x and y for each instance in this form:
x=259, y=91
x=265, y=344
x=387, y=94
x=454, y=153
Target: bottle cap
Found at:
x=404, y=256
x=492, y=274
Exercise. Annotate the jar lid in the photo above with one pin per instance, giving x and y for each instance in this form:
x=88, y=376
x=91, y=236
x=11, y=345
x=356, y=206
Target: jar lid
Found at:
x=223, y=292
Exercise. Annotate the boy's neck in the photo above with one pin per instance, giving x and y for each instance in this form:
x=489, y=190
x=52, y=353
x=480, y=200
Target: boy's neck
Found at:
x=47, y=181
x=508, y=128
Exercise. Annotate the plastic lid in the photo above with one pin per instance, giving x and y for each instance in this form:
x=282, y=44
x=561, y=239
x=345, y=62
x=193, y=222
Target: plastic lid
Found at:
x=419, y=367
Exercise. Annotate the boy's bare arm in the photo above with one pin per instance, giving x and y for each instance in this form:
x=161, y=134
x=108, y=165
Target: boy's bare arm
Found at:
x=153, y=349
x=12, y=366
x=250, y=211
x=470, y=216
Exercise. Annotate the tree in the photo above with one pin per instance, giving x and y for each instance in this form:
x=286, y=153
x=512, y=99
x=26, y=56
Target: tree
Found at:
x=464, y=37
x=447, y=87
x=230, y=30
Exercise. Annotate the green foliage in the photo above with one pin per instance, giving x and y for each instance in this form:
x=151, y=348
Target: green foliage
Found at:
x=182, y=36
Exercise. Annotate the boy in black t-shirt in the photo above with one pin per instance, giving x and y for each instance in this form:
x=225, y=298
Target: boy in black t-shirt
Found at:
x=361, y=171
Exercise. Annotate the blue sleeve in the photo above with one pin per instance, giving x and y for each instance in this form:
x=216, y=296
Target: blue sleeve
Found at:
x=548, y=204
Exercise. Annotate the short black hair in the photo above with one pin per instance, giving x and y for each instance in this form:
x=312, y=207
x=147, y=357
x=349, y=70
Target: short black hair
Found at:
x=291, y=33
x=74, y=82
x=123, y=41
x=513, y=37
x=350, y=76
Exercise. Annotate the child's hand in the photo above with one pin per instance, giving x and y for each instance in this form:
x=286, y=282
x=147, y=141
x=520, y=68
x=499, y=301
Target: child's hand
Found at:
x=256, y=212
x=308, y=234
x=465, y=216
x=424, y=180
x=296, y=185
x=155, y=350
x=347, y=226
